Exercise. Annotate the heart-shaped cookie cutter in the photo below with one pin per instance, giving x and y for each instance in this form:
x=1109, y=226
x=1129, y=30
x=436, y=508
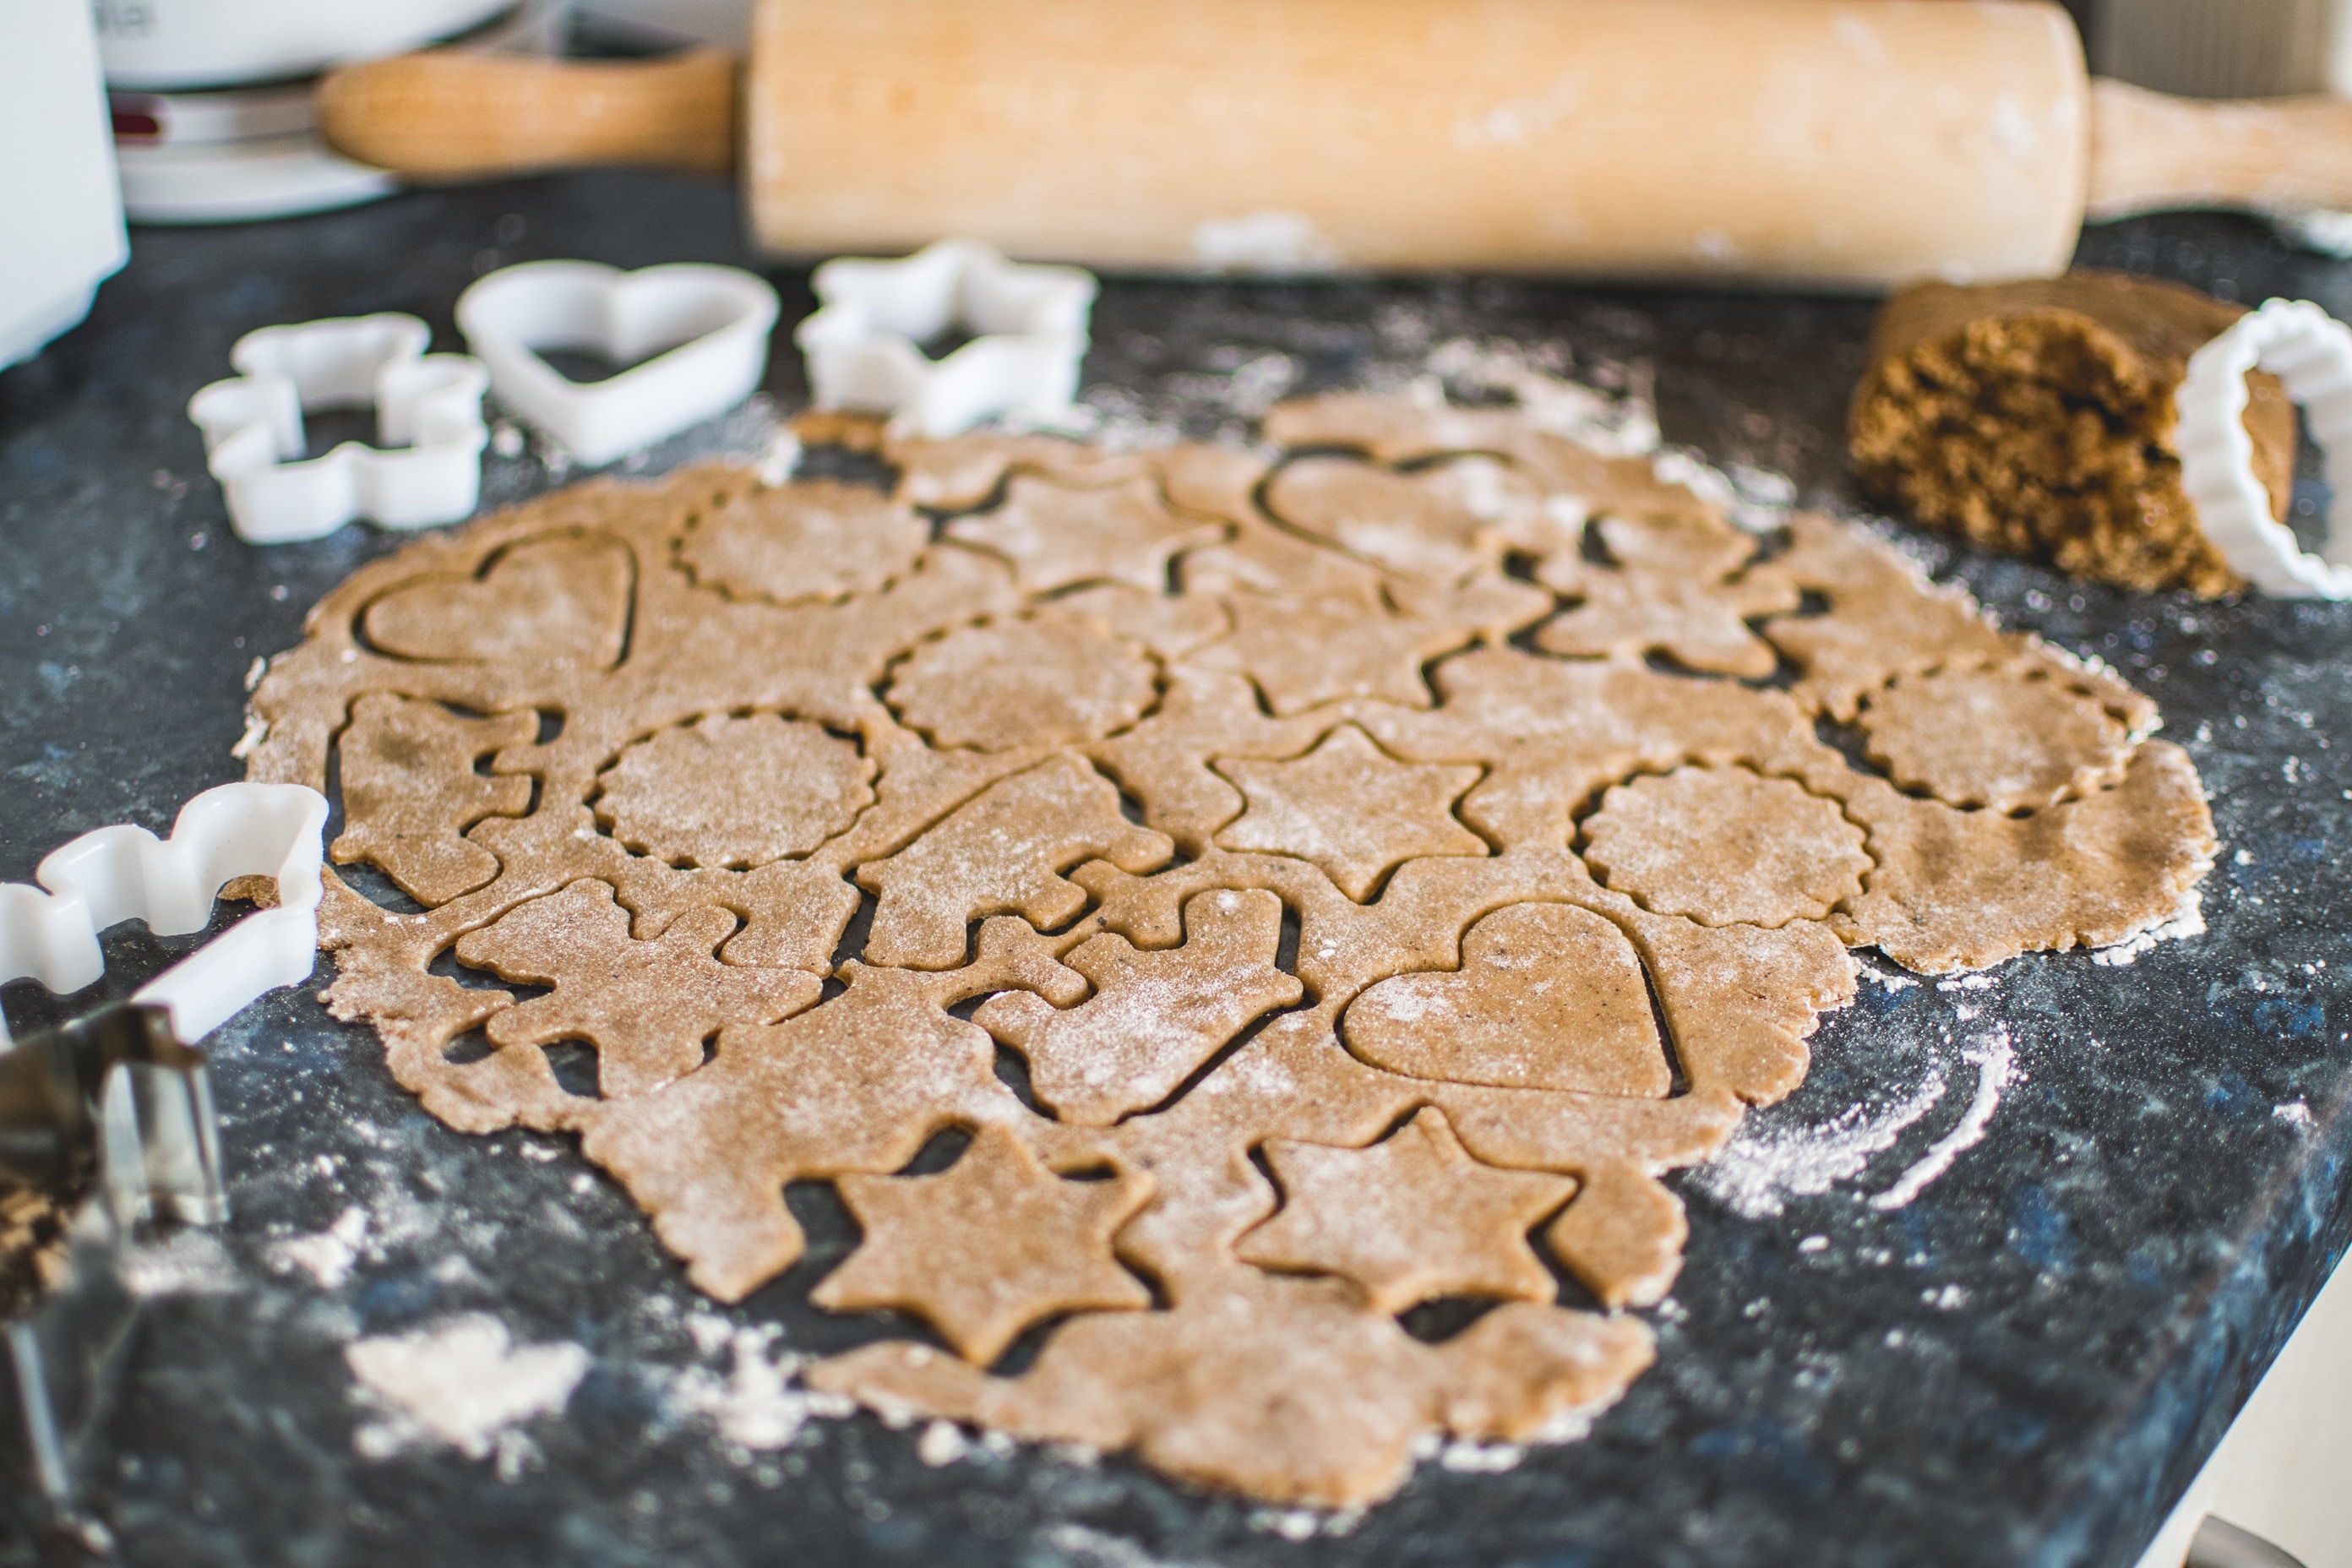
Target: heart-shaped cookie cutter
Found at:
x=706, y=329
x=428, y=411
x=1030, y=323
x=2312, y=353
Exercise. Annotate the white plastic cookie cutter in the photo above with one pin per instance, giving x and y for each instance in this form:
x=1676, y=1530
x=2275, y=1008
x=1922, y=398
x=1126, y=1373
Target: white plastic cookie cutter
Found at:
x=1030, y=323
x=429, y=406
x=121, y=873
x=705, y=327
x=2312, y=353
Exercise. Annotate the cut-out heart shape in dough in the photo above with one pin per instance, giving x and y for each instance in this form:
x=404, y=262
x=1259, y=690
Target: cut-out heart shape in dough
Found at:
x=1547, y=996
x=562, y=599
x=705, y=327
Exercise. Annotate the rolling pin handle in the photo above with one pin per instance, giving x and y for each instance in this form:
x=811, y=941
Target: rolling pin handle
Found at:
x=2150, y=153
x=446, y=114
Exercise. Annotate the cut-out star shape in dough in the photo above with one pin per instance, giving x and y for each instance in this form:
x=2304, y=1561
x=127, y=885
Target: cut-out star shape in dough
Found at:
x=1305, y=652
x=1409, y=1219
x=1351, y=808
x=986, y=1247
x=1056, y=536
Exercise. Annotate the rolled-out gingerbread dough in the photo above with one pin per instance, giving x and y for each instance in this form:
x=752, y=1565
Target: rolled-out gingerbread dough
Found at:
x=1328, y=951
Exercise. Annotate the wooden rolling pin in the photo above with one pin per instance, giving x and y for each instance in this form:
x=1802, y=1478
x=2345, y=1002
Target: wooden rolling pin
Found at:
x=1839, y=144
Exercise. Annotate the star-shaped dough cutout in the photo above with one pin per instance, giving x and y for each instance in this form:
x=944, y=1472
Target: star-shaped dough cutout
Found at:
x=1305, y=652
x=1351, y=808
x=986, y=1247
x=1056, y=536
x=1409, y=1219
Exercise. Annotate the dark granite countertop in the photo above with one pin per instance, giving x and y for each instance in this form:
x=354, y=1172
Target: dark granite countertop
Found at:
x=2024, y=1365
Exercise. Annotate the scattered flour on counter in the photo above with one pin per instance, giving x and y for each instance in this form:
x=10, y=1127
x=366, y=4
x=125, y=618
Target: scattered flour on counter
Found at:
x=329, y=1256
x=187, y=1262
x=1301, y=1524
x=2188, y=920
x=754, y=1405
x=1996, y=1063
x=781, y=457
x=1762, y=1167
x=1100, y=1549
x=461, y=1381
x=1575, y=1425
x=1466, y=1456
x=941, y=1444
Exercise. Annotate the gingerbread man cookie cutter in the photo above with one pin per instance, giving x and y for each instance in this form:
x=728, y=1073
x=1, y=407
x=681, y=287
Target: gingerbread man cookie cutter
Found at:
x=428, y=418
x=1029, y=322
x=2312, y=353
x=109, y=1117
x=49, y=933
x=701, y=331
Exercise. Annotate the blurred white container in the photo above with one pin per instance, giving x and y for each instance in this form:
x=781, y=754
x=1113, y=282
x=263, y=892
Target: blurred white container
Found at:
x=60, y=213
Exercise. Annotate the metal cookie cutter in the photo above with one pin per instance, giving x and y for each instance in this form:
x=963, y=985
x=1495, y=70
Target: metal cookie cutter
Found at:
x=2312, y=353
x=110, y=1117
x=705, y=327
x=1030, y=325
x=428, y=405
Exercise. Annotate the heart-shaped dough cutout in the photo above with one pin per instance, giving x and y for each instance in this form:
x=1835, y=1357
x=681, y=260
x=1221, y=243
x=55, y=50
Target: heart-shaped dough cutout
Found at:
x=558, y=599
x=1547, y=996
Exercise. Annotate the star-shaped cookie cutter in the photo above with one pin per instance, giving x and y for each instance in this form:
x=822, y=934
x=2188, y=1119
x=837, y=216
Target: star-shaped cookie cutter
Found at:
x=1029, y=322
x=428, y=418
x=2312, y=353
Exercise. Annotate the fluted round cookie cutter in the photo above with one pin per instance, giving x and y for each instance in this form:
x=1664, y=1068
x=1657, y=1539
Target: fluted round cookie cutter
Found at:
x=705, y=329
x=49, y=933
x=428, y=407
x=2312, y=353
x=1030, y=325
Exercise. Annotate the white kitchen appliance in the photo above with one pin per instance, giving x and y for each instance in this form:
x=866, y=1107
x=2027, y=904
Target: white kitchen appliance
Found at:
x=212, y=102
x=60, y=218
x=163, y=45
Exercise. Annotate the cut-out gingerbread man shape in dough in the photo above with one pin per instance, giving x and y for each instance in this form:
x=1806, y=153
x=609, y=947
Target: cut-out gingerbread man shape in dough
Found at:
x=648, y=1006
x=1154, y=1017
